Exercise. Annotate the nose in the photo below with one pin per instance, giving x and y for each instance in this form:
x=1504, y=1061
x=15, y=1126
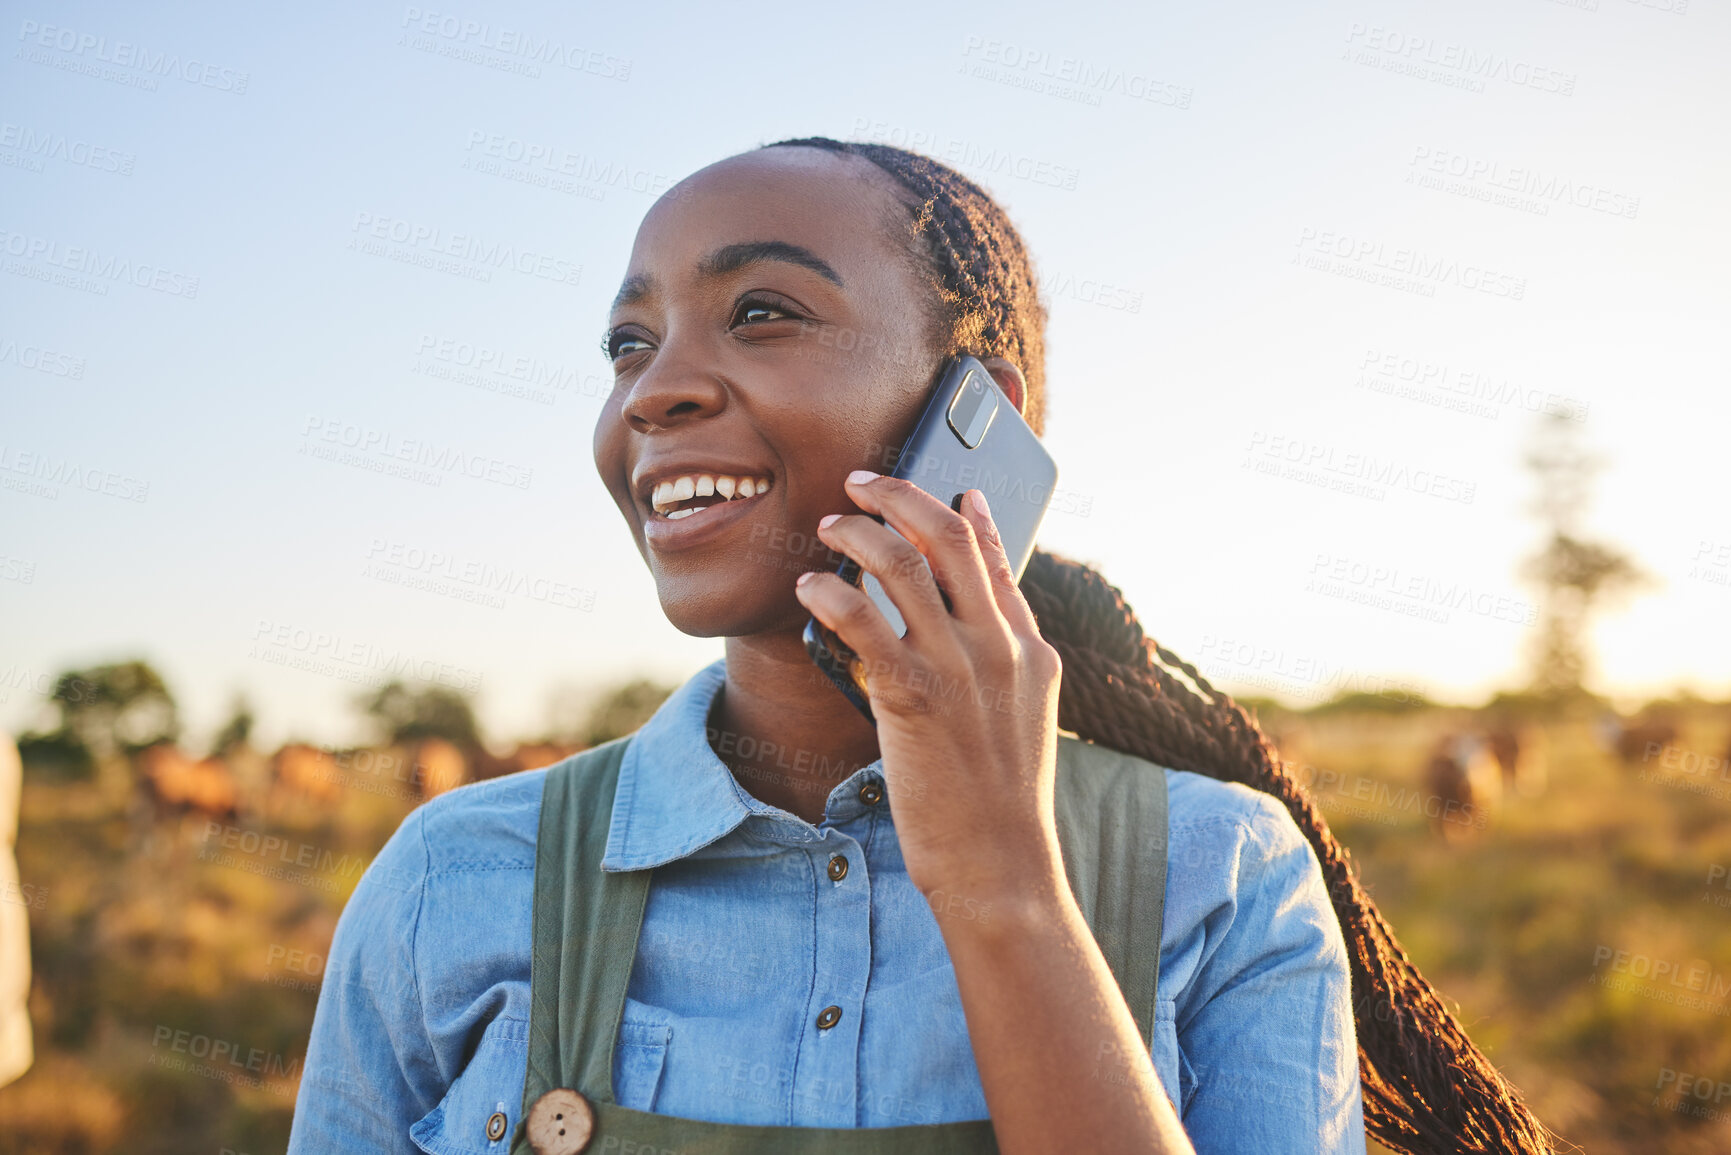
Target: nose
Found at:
x=676, y=387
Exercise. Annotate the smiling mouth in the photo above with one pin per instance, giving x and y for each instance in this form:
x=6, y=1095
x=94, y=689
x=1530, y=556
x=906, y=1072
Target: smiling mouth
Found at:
x=681, y=497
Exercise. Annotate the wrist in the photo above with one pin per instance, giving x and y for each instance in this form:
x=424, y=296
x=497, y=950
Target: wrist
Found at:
x=976, y=898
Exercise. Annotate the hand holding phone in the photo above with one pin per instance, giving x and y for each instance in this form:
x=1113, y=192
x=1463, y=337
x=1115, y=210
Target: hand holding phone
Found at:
x=970, y=436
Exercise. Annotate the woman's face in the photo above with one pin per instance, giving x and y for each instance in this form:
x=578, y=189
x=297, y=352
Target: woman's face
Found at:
x=770, y=328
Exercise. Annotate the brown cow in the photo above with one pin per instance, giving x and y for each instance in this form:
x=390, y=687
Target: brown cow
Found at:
x=172, y=784
x=439, y=766
x=1636, y=740
x=1520, y=754
x=1464, y=783
x=305, y=771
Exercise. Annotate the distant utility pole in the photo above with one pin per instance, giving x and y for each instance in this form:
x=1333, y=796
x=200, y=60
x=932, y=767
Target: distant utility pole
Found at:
x=1575, y=575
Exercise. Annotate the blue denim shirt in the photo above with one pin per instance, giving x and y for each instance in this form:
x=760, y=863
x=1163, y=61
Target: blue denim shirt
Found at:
x=421, y=1032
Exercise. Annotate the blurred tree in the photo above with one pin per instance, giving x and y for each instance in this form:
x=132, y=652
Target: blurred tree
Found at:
x=623, y=710
x=236, y=730
x=115, y=709
x=1575, y=576
x=407, y=714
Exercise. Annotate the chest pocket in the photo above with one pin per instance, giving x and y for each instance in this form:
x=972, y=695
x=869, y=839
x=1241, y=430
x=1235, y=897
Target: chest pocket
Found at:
x=492, y=1084
x=638, y=1060
x=1170, y=1062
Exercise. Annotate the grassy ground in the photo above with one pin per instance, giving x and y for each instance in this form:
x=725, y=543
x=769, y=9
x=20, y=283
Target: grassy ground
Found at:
x=175, y=979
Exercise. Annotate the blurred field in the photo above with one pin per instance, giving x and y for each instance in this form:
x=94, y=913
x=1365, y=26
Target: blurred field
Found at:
x=141, y=948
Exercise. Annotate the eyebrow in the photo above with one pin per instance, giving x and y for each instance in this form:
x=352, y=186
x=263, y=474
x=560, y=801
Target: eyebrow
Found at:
x=732, y=258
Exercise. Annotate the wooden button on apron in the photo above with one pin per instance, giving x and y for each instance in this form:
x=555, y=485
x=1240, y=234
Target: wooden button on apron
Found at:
x=828, y=1018
x=560, y=1123
x=870, y=793
x=496, y=1125
x=837, y=868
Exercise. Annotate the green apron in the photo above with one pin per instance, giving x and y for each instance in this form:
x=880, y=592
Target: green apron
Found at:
x=1111, y=817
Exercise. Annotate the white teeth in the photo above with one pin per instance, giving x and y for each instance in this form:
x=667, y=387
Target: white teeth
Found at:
x=675, y=490
x=679, y=513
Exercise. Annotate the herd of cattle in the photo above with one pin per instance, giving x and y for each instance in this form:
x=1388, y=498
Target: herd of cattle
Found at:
x=1467, y=773
x=1475, y=769
x=171, y=783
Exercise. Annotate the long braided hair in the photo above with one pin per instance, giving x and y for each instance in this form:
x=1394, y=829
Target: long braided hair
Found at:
x=1427, y=1090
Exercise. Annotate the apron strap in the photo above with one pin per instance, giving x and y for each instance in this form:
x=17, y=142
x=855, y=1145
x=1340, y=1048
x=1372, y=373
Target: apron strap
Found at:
x=1112, y=831
x=584, y=937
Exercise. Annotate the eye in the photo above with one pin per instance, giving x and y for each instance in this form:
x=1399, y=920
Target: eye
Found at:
x=758, y=309
x=616, y=343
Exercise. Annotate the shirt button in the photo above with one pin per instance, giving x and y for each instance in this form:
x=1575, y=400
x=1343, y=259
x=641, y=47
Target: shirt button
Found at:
x=496, y=1126
x=871, y=793
x=828, y=1018
x=560, y=1123
x=837, y=868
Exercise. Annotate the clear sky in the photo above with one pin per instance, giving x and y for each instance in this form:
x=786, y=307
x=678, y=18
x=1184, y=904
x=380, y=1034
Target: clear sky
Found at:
x=1310, y=268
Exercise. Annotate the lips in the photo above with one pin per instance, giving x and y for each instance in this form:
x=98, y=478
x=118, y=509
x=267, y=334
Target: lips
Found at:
x=667, y=533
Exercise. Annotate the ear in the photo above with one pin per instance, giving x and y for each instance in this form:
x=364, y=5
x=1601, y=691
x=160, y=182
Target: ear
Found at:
x=1009, y=377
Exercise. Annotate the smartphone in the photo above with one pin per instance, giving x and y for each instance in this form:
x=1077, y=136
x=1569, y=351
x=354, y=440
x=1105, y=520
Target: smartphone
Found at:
x=970, y=436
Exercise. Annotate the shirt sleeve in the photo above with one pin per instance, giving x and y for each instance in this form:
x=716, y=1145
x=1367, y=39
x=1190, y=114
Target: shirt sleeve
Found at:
x=370, y=1068
x=1268, y=1023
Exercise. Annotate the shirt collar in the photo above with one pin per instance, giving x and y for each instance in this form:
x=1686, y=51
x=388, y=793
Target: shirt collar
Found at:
x=674, y=795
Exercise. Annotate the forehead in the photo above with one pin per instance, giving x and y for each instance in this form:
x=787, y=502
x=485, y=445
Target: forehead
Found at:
x=843, y=209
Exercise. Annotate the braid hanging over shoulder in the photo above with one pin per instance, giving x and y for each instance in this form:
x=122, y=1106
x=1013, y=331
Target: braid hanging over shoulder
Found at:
x=1427, y=1089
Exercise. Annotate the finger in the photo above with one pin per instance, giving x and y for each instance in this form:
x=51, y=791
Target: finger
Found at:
x=942, y=535
x=853, y=616
x=1008, y=594
x=892, y=559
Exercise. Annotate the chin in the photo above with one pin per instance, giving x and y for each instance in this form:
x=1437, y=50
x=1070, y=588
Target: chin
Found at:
x=699, y=606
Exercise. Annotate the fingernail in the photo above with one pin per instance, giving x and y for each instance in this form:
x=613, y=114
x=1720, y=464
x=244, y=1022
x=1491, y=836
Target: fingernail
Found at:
x=979, y=500
x=824, y=523
x=861, y=476
x=803, y=578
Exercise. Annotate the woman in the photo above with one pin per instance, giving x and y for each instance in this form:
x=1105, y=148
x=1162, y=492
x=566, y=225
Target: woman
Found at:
x=783, y=929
